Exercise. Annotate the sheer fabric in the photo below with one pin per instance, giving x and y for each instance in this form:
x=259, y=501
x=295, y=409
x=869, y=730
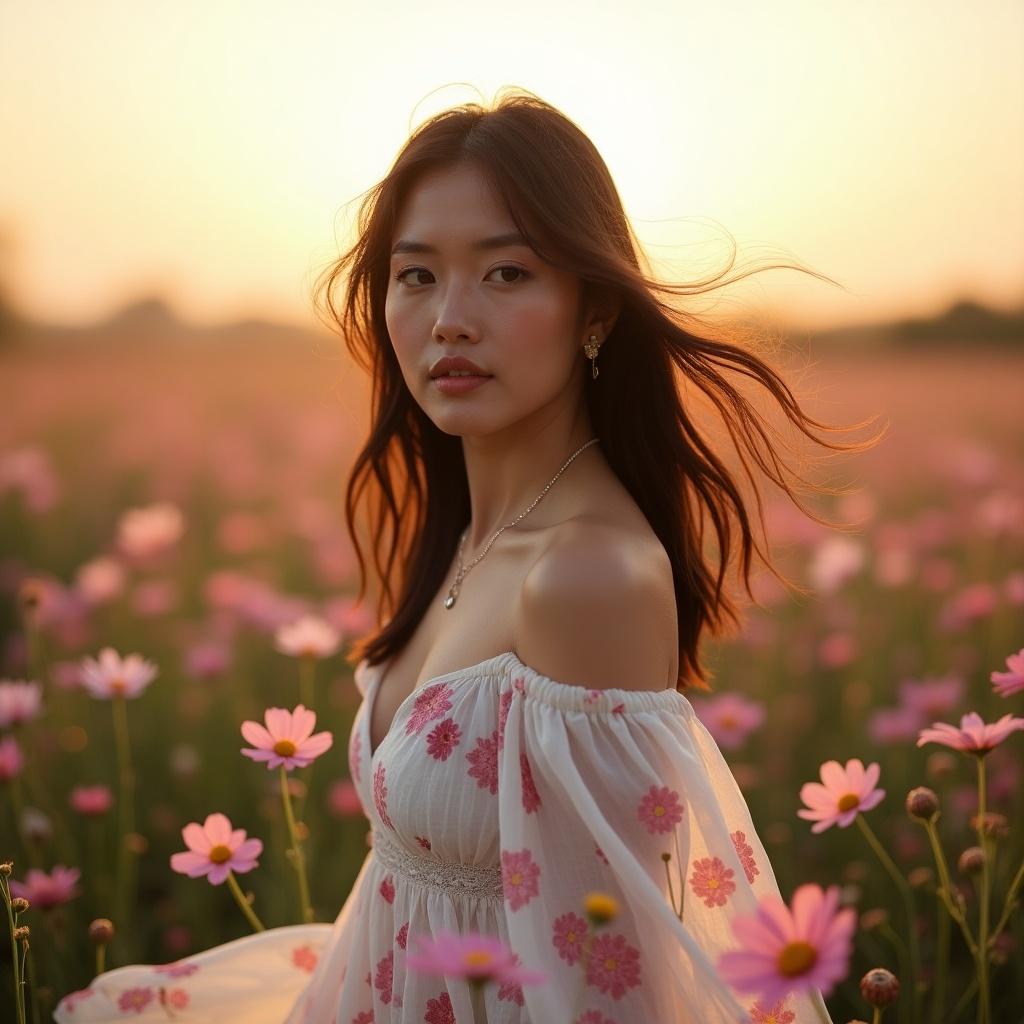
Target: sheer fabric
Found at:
x=498, y=798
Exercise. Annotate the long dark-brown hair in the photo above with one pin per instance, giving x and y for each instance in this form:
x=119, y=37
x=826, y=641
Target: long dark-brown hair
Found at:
x=412, y=476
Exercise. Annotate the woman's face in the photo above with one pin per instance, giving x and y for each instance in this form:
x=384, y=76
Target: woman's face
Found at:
x=500, y=306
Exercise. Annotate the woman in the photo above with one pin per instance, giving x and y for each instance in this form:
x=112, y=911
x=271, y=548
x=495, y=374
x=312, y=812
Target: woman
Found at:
x=524, y=739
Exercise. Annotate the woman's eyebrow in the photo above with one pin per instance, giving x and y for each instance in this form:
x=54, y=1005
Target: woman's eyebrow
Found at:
x=501, y=241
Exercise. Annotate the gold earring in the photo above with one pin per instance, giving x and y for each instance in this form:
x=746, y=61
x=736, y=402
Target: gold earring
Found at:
x=591, y=348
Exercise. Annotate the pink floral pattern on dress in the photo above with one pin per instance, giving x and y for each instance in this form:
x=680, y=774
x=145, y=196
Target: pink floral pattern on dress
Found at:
x=504, y=703
x=745, y=854
x=72, y=999
x=432, y=703
x=385, y=976
x=136, y=999
x=363, y=1017
x=484, y=762
x=614, y=965
x=531, y=798
x=519, y=874
x=443, y=739
x=593, y=1017
x=355, y=750
x=519, y=685
x=568, y=934
x=387, y=890
x=402, y=938
x=511, y=991
x=380, y=795
x=660, y=810
x=178, y=969
x=712, y=881
x=778, y=1014
x=175, y=998
x=600, y=853
x=304, y=957
x=424, y=842
x=440, y=1010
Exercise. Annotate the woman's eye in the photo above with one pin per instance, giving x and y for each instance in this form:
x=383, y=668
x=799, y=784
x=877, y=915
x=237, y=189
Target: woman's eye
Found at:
x=401, y=275
x=517, y=270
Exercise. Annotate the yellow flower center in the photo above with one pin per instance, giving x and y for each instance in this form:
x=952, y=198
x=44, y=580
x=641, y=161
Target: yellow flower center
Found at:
x=729, y=721
x=478, y=958
x=712, y=883
x=570, y=936
x=659, y=811
x=848, y=801
x=610, y=963
x=118, y=685
x=220, y=853
x=284, y=747
x=516, y=878
x=797, y=958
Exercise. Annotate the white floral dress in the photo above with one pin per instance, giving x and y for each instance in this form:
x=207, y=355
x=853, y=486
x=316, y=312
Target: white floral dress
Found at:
x=498, y=798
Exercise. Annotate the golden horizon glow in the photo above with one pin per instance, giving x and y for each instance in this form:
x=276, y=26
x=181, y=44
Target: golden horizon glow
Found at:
x=215, y=153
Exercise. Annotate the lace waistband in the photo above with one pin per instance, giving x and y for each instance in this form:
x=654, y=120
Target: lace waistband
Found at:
x=473, y=880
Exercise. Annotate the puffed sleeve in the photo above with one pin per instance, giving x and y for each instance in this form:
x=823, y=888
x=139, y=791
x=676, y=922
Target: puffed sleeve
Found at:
x=594, y=787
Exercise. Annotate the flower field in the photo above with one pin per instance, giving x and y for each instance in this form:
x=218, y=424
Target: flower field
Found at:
x=177, y=595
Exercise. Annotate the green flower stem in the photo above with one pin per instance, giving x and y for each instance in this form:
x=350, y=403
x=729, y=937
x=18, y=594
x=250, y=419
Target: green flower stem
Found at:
x=964, y=999
x=945, y=891
x=984, y=996
x=126, y=810
x=942, y=924
x=908, y=905
x=101, y=951
x=236, y=891
x=307, y=694
x=32, y=983
x=18, y=807
x=297, y=857
x=1011, y=903
x=19, y=995
x=901, y=952
x=682, y=873
x=671, y=891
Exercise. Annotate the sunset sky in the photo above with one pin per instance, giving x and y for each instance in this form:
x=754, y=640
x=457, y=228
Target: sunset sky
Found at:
x=213, y=151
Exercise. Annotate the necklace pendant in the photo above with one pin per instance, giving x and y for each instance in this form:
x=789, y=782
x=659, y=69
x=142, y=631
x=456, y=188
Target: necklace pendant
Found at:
x=449, y=601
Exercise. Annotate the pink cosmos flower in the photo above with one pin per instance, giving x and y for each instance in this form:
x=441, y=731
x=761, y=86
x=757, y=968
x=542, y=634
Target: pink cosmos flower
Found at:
x=11, y=759
x=974, y=735
x=30, y=471
x=343, y=799
x=841, y=795
x=785, y=950
x=214, y=849
x=472, y=956
x=113, y=676
x=143, y=532
x=100, y=580
x=1008, y=683
x=287, y=739
x=19, y=702
x=932, y=697
x=729, y=717
x=48, y=890
x=309, y=637
x=91, y=801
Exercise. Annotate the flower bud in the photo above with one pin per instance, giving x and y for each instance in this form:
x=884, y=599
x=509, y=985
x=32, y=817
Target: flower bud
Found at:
x=600, y=908
x=923, y=804
x=7, y=867
x=21, y=932
x=971, y=861
x=880, y=987
x=874, y=918
x=101, y=931
x=995, y=825
x=920, y=876
x=19, y=904
x=666, y=856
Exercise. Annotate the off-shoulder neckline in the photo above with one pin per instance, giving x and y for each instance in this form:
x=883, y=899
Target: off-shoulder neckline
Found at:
x=565, y=696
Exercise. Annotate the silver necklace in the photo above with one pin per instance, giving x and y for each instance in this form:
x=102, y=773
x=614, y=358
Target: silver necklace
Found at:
x=453, y=592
